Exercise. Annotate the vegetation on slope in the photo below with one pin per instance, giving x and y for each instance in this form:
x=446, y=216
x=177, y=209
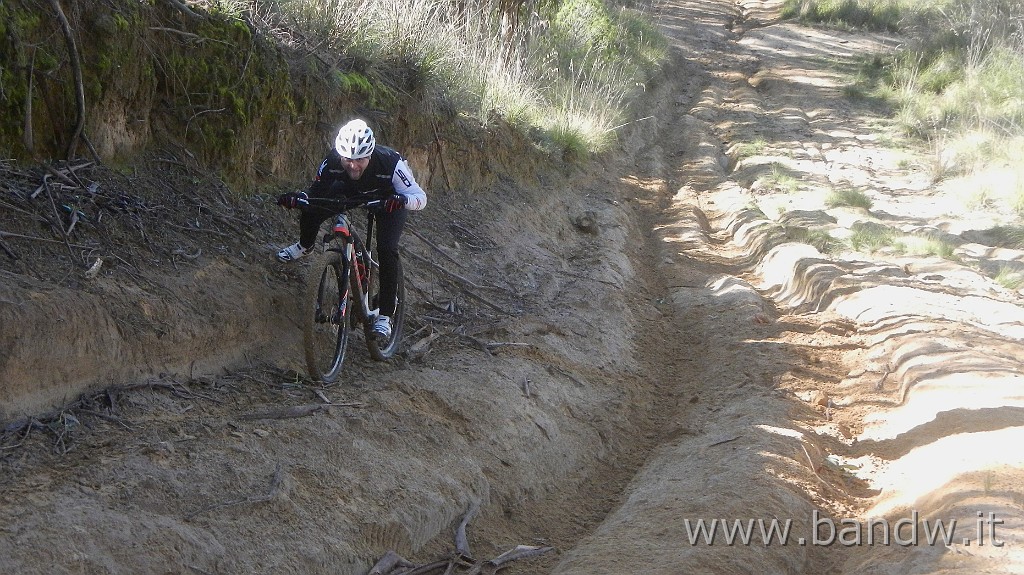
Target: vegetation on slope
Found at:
x=224, y=78
x=958, y=82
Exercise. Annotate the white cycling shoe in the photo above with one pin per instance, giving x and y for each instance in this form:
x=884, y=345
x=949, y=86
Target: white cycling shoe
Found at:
x=293, y=252
x=382, y=327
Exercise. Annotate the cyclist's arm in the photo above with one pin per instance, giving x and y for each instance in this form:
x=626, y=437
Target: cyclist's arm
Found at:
x=323, y=180
x=406, y=185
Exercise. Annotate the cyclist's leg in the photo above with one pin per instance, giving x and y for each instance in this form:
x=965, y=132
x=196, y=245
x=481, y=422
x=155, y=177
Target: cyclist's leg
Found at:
x=309, y=225
x=389, y=232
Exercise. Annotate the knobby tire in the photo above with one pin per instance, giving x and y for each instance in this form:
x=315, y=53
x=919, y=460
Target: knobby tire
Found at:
x=326, y=325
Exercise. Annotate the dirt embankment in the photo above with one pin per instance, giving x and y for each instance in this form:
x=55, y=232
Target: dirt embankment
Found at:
x=597, y=392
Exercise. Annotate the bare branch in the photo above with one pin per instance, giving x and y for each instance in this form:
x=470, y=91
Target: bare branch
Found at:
x=76, y=70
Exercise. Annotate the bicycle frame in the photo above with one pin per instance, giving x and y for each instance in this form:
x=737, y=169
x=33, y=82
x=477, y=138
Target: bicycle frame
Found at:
x=358, y=259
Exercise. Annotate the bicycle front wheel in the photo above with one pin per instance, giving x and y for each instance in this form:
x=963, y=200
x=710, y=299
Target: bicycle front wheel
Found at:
x=326, y=317
x=382, y=349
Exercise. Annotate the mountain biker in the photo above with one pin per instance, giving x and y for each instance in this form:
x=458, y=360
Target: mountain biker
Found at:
x=357, y=165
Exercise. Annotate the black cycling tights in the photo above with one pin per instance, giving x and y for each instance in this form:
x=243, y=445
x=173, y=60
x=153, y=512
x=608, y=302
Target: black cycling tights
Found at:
x=389, y=232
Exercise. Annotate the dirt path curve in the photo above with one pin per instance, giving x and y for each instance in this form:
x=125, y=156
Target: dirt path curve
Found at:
x=793, y=412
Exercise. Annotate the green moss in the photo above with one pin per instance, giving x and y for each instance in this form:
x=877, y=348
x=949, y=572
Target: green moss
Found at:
x=353, y=82
x=121, y=22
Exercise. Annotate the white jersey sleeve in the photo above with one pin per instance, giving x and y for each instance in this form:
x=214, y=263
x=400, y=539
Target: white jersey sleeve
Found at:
x=406, y=185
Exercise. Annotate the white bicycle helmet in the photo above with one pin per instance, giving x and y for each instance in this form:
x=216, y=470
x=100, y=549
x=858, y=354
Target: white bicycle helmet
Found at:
x=355, y=140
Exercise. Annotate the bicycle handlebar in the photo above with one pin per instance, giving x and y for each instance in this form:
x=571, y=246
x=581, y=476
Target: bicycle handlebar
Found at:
x=344, y=204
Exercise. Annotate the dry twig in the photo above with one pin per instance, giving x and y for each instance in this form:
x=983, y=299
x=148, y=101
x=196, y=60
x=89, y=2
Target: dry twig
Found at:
x=464, y=282
x=434, y=246
x=297, y=411
x=388, y=563
x=76, y=70
x=275, y=486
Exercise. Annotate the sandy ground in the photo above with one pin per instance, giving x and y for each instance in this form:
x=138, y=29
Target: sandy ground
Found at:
x=597, y=389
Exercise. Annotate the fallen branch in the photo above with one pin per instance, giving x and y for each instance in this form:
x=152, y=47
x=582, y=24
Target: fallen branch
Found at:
x=275, y=486
x=184, y=9
x=388, y=563
x=8, y=251
x=235, y=227
x=446, y=271
x=110, y=418
x=27, y=135
x=440, y=156
x=56, y=213
x=485, y=301
x=463, y=280
x=28, y=431
x=810, y=463
x=492, y=345
x=423, y=345
x=520, y=552
x=182, y=253
x=76, y=71
x=461, y=540
x=38, y=239
x=475, y=342
x=65, y=176
x=424, y=569
x=728, y=440
x=297, y=411
x=467, y=235
x=435, y=247
x=74, y=222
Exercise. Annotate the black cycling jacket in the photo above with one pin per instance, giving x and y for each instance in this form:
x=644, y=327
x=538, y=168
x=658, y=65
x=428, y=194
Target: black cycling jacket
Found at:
x=386, y=174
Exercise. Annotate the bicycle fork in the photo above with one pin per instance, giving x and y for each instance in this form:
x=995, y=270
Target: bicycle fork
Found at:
x=358, y=262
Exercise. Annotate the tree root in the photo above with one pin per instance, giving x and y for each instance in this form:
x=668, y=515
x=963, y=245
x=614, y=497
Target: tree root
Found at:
x=394, y=564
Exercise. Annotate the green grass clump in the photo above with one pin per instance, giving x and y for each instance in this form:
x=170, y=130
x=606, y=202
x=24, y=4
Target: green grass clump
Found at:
x=750, y=149
x=871, y=238
x=1017, y=196
x=781, y=178
x=1009, y=278
x=881, y=15
x=849, y=197
x=820, y=239
x=923, y=246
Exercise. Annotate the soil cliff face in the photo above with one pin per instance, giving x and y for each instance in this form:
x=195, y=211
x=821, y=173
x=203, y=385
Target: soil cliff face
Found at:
x=112, y=80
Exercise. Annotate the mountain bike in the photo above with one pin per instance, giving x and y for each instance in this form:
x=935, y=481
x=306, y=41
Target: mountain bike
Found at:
x=341, y=293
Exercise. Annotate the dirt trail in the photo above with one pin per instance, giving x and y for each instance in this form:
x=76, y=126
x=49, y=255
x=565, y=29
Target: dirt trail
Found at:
x=687, y=361
x=837, y=387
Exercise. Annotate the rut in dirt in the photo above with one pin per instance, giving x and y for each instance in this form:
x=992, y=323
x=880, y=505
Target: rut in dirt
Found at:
x=793, y=348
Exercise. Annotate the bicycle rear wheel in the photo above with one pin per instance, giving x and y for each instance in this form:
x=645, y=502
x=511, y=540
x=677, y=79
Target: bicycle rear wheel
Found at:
x=381, y=349
x=326, y=317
